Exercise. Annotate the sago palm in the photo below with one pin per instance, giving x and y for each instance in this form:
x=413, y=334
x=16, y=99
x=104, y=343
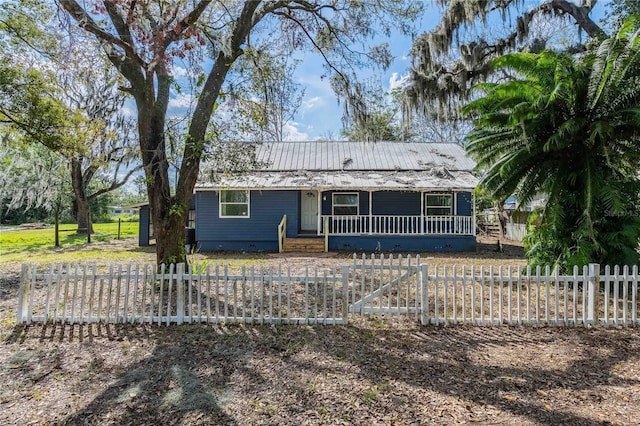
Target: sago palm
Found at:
x=568, y=128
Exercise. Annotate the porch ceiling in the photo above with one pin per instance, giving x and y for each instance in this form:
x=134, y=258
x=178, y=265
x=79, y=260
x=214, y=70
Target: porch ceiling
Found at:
x=435, y=179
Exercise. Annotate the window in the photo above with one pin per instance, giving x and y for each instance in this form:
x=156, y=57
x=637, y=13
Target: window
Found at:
x=191, y=219
x=438, y=204
x=234, y=204
x=346, y=204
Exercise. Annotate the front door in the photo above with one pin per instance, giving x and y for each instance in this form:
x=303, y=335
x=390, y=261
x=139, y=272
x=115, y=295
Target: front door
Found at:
x=308, y=211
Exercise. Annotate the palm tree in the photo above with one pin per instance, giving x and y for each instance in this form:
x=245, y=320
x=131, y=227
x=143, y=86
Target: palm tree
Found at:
x=570, y=128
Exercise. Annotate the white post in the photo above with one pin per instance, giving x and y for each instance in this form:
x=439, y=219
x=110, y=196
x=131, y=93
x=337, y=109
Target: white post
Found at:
x=422, y=212
x=326, y=234
x=423, y=279
x=370, y=212
x=473, y=213
x=179, y=292
x=319, y=211
x=345, y=293
x=23, y=296
x=593, y=291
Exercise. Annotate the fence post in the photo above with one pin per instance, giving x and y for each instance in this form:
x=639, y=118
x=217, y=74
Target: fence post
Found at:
x=423, y=279
x=23, y=296
x=179, y=293
x=345, y=293
x=593, y=292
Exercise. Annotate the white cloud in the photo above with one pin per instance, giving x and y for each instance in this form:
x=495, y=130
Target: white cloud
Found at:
x=179, y=71
x=181, y=100
x=292, y=133
x=310, y=103
x=397, y=81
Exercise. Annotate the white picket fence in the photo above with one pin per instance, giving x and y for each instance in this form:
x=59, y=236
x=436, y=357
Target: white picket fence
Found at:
x=382, y=286
x=145, y=294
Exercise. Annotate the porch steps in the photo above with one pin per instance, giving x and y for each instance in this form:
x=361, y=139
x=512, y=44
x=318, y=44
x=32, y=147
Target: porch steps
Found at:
x=306, y=245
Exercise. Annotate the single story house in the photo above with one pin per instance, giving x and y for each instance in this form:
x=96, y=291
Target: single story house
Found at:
x=336, y=195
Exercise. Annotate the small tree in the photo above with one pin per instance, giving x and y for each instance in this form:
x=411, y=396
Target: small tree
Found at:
x=75, y=110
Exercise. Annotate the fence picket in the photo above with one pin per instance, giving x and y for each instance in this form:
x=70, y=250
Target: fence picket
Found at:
x=473, y=294
x=464, y=293
x=49, y=279
x=634, y=292
x=509, y=295
x=436, y=297
x=71, y=293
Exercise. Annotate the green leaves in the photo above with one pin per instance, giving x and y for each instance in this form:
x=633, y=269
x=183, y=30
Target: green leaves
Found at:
x=29, y=105
x=567, y=128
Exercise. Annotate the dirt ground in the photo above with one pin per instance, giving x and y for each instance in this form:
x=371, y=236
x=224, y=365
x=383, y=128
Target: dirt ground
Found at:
x=371, y=372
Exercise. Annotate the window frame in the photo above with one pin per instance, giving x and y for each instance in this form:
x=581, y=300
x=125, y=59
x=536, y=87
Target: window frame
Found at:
x=427, y=206
x=221, y=203
x=191, y=219
x=334, y=205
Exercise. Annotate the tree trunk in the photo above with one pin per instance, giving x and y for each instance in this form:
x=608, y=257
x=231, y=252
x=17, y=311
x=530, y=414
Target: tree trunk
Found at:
x=80, y=202
x=83, y=219
x=168, y=213
x=56, y=229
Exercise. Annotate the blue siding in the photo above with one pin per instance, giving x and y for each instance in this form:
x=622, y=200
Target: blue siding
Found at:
x=256, y=233
x=143, y=226
x=259, y=231
x=464, y=205
x=396, y=203
x=421, y=243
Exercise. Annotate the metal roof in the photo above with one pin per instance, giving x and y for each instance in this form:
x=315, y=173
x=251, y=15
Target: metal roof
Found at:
x=342, y=155
x=353, y=165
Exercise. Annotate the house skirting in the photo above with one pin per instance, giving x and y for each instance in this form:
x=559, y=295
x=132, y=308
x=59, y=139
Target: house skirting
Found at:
x=386, y=243
x=369, y=243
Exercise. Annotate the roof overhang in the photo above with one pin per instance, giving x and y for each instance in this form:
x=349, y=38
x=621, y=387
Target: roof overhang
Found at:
x=348, y=180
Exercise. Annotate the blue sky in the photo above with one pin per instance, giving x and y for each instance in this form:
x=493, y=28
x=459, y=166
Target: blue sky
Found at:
x=320, y=114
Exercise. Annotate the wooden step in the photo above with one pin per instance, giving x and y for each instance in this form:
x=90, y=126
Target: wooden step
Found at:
x=309, y=245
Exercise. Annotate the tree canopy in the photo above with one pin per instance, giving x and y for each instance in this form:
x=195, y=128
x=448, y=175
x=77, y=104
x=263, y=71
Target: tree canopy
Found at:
x=568, y=128
x=143, y=40
x=457, y=53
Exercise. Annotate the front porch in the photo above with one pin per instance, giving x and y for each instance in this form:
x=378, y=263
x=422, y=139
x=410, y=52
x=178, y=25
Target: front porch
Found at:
x=396, y=225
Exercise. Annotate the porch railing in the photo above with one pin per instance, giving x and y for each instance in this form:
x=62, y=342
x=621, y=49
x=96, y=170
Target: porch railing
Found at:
x=398, y=225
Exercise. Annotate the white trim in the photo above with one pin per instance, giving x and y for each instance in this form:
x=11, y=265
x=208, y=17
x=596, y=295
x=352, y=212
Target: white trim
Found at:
x=248, y=203
x=370, y=209
x=422, y=212
x=333, y=203
x=319, y=227
x=439, y=193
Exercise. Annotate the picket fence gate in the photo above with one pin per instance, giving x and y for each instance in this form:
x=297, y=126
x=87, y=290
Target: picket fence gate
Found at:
x=383, y=286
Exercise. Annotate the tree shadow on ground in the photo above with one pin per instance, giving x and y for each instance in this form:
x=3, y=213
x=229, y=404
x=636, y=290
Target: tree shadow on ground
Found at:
x=446, y=361
x=363, y=373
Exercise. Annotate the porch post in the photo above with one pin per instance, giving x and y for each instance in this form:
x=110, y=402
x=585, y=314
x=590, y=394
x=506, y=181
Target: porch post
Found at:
x=473, y=213
x=421, y=212
x=370, y=212
x=319, y=227
x=454, y=210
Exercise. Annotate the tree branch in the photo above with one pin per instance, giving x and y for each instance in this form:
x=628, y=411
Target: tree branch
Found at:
x=114, y=185
x=88, y=24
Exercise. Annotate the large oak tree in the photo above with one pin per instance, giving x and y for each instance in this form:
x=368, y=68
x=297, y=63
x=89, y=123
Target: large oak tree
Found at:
x=142, y=39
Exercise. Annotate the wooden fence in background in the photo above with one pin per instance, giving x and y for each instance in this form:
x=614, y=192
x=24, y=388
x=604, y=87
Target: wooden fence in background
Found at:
x=383, y=286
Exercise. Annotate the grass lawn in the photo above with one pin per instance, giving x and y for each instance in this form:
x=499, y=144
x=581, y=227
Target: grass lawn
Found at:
x=22, y=244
